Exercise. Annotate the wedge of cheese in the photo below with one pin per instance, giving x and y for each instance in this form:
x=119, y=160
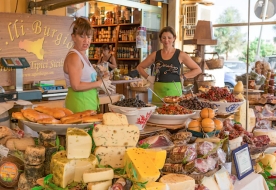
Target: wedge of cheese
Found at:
x=210, y=183
x=112, y=156
x=101, y=185
x=143, y=164
x=151, y=186
x=158, y=157
x=98, y=174
x=114, y=119
x=78, y=143
x=66, y=170
x=124, y=135
x=178, y=182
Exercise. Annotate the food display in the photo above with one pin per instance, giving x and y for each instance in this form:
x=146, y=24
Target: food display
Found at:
x=173, y=110
x=219, y=94
x=131, y=102
x=171, y=99
x=195, y=104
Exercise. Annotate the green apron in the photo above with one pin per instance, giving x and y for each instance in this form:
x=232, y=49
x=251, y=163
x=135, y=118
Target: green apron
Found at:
x=163, y=89
x=81, y=101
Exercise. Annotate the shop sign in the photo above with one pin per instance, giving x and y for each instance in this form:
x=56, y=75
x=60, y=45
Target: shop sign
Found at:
x=42, y=39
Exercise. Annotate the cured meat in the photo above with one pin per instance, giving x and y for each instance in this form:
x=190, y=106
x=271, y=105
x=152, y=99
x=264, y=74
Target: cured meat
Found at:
x=201, y=165
x=205, y=147
x=173, y=168
x=156, y=141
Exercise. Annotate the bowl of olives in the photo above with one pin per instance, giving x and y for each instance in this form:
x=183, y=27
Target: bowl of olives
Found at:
x=137, y=111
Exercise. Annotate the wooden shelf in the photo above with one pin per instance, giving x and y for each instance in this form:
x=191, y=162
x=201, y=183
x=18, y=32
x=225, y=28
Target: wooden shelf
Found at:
x=129, y=24
x=200, y=42
x=103, y=42
x=126, y=42
x=197, y=1
x=128, y=59
x=104, y=25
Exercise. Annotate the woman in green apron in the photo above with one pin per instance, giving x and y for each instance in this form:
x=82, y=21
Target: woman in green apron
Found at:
x=80, y=76
x=165, y=65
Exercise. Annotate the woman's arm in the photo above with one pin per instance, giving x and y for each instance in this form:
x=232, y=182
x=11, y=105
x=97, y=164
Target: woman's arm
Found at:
x=193, y=66
x=74, y=70
x=113, y=63
x=145, y=64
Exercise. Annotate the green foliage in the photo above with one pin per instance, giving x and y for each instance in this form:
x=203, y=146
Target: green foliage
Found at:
x=266, y=49
x=229, y=38
x=266, y=174
x=144, y=145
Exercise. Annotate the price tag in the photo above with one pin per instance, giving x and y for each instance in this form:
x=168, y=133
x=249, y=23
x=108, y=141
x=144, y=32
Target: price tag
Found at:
x=4, y=151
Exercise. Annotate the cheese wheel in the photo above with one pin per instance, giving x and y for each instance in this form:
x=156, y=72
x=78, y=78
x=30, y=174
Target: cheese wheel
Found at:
x=49, y=151
x=19, y=144
x=23, y=183
x=101, y=185
x=98, y=174
x=114, y=119
x=47, y=137
x=34, y=155
x=34, y=172
x=178, y=182
x=47, y=167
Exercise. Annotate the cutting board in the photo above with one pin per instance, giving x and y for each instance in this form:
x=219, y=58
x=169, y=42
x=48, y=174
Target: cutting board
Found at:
x=167, y=126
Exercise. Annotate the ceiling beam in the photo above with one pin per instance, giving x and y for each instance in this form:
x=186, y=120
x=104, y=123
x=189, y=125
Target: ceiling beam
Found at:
x=49, y=5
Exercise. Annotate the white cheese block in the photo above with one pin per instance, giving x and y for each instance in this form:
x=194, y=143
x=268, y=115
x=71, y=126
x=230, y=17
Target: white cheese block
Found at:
x=98, y=174
x=178, y=182
x=114, y=119
x=125, y=135
x=112, y=156
x=78, y=143
x=223, y=179
x=152, y=186
x=66, y=170
x=101, y=185
x=210, y=183
x=269, y=132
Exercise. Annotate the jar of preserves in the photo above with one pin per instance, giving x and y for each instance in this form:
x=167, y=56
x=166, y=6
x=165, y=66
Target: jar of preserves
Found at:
x=126, y=69
x=121, y=67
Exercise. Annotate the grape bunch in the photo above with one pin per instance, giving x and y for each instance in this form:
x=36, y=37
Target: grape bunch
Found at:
x=217, y=94
x=131, y=102
x=195, y=104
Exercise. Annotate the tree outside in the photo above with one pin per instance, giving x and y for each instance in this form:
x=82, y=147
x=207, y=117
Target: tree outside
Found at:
x=229, y=38
x=266, y=49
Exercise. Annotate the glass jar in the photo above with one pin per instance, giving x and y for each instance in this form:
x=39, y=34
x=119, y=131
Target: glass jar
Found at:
x=126, y=69
x=121, y=67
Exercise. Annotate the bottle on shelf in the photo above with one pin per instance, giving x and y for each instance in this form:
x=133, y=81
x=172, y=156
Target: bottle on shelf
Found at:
x=228, y=152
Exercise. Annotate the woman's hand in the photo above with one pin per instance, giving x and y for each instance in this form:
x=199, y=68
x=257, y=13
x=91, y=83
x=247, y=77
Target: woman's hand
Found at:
x=106, y=86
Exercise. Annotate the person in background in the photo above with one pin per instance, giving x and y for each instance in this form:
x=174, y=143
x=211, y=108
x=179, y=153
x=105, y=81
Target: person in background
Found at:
x=165, y=67
x=108, y=57
x=80, y=76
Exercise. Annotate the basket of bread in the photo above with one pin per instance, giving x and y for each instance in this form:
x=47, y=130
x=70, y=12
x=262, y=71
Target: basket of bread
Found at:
x=57, y=119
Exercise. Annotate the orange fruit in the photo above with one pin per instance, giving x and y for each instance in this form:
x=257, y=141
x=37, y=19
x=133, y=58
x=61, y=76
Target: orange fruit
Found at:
x=218, y=124
x=194, y=125
x=208, y=125
x=207, y=113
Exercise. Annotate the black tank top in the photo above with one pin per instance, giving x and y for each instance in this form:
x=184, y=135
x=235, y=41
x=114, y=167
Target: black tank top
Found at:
x=166, y=70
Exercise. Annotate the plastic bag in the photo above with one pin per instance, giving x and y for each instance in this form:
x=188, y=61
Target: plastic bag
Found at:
x=204, y=147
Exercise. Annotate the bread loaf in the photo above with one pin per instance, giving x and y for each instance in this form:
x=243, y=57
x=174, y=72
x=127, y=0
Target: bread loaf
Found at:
x=93, y=118
x=33, y=115
x=18, y=115
x=73, y=121
x=66, y=111
x=78, y=115
x=49, y=121
x=56, y=113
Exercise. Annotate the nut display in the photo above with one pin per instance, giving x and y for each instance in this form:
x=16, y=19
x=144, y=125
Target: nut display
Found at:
x=195, y=104
x=131, y=102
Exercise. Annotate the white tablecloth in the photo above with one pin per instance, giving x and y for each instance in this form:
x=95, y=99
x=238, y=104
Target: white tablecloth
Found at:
x=251, y=182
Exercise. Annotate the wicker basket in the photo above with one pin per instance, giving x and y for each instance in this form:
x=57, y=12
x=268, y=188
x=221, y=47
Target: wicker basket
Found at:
x=195, y=56
x=215, y=63
x=197, y=59
x=199, y=177
x=205, y=79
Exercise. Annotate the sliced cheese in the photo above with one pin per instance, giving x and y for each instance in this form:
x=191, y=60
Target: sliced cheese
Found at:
x=66, y=170
x=158, y=157
x=98, y=174
x=78, y=143
x=210, y=183
x=178, y=182
x=151, y=186
x=269, y=132
x=223, y=179
x=114, y=119
x=101, y=185
x=124, y=135
x=143, y=164
x=112, y=156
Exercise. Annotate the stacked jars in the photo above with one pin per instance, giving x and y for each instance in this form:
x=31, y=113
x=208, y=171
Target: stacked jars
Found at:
x=127, y=52
x=103, y=35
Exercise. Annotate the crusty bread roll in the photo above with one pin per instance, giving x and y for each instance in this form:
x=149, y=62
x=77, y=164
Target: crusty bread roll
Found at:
x=49, y=121
x=33, y=115
x=56, y=113
x=73, y=121
x=18, y=115
x=93, y=118
x=66, y=111
x=79, y=115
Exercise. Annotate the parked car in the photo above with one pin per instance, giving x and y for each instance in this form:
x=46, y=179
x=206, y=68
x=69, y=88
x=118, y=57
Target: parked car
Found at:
x=231, y=70
x=272, y=61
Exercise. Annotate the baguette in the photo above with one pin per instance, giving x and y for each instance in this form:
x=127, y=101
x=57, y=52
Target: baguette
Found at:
x=49, y=121
x=18, y=115
x=93, y=118
x=33, y=115
x=79, y=115
x=56, y=113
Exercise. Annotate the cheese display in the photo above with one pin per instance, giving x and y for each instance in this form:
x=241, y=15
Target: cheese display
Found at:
x=151, y=186
x=223, y=179
x=34, y=172
x=178, y=182
x=158, y=157
x=78, y=143
x=114, y=119
x=112, y=156
x=210, y=183
x=34, y=155
x=23, y=183
x=269, y=132
x=124, y=135
x=19, y=144
x=66, y=170
x=98, y=174
x=144, y=166
x=47, y=137
x=101, y=185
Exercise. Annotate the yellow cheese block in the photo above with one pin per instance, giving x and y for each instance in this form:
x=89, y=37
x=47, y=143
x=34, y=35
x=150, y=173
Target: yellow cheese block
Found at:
x=158, y=157
x=142, y=163
x=114, y=119
x=151, y=186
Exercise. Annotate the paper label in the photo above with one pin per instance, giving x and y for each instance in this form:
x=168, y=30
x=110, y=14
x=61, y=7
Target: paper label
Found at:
x=8, y=172
x=4, y=151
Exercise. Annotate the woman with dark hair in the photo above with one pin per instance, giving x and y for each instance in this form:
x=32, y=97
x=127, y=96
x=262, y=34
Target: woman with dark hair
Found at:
x=108, y=57
x=80, y=76
x=166, y=64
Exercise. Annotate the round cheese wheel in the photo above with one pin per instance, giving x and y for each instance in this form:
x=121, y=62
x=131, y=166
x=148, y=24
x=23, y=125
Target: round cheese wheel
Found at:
x=23, y=183
x=208, y=125
x=207, y=113
x=194, y=125
x=34, y=155
x=47, y=137
x=34, y=172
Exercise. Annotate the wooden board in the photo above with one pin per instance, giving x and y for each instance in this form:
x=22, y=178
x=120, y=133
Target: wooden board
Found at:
x=167, y=126
x=151, y=129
